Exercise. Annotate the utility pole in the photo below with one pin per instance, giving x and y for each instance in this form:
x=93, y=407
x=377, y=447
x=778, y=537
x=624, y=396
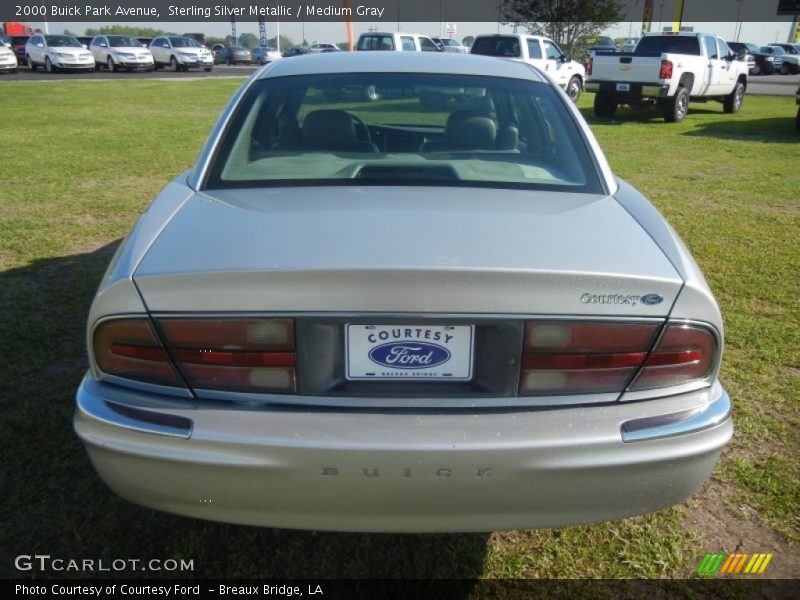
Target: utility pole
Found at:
x=738, y=29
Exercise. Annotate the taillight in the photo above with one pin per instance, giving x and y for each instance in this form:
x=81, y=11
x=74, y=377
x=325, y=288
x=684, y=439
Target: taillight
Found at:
x=239, y=355
x=666, y=70
x=589, y=66
x=577, y=357
x=685, y=353
x=129, y=348
x=581, y=357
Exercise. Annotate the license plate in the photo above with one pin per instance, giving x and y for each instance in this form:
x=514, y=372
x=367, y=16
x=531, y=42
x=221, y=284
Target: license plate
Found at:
x=623, y=87
x=409, y=352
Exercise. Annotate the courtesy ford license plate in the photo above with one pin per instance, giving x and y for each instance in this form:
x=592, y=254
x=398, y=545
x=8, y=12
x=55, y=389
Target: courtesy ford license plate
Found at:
x=409, y=352
x=623, y=87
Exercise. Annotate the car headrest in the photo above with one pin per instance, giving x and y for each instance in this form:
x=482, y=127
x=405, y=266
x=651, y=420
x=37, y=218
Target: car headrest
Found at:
x=328, y=129
x=470, y=130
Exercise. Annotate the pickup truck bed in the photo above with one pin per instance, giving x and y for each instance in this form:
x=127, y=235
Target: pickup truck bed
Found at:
x=667, y=71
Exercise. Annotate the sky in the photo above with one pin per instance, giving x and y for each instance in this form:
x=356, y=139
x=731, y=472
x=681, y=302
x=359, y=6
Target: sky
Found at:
x=760, y=33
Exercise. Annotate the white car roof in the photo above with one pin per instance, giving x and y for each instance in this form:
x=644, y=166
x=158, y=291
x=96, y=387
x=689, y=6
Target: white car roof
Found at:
x=401, y=62
x=680, y=33
x=525, y=36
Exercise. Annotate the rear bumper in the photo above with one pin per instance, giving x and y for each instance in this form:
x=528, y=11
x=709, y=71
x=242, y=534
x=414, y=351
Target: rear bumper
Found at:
x=635, y=91
x=401, y=472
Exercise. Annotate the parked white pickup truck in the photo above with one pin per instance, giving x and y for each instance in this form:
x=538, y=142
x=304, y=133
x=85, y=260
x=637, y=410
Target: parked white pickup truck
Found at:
x=538, y=51
x=667, y=70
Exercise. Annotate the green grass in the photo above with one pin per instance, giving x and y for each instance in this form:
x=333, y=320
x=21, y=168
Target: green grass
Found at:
x=728, y=183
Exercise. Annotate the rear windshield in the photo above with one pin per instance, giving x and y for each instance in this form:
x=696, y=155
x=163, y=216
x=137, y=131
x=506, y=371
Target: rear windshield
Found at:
x=497, y=45
x=375, y=42
x=673, y=44
x=403, y=129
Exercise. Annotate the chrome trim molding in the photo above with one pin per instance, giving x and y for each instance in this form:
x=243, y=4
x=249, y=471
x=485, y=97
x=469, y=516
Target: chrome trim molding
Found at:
x=402, y=315
x=678, y=423
x=400, y=402
x=129, y=417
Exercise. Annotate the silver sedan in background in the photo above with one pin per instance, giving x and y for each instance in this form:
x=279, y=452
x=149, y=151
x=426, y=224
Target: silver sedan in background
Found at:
x=263, y=55
x=380, y=315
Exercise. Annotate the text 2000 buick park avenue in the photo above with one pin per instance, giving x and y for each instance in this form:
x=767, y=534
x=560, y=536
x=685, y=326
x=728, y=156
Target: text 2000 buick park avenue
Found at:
x=372, y=315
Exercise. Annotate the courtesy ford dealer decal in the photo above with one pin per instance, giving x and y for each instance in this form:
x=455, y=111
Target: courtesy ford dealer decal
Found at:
x=397, y=352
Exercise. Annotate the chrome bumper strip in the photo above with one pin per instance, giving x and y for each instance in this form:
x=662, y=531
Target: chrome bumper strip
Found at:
x=677, y=423
x=130, y=417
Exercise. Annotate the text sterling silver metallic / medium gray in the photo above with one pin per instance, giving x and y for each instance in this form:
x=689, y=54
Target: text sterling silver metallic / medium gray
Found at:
x=403, y=292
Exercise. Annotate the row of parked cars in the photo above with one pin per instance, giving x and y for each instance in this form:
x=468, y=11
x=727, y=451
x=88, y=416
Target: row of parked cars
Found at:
x=114, y=52
x=769, y=59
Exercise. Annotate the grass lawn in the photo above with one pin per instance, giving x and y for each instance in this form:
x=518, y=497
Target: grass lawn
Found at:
x=82, y=159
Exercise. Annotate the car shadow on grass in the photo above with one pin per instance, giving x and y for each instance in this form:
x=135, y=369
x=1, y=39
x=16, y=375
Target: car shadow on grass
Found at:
x=773, y=130
x=652, y=115
x=58, y=505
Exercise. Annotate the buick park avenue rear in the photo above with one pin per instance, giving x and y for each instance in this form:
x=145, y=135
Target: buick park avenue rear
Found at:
x=363, y=311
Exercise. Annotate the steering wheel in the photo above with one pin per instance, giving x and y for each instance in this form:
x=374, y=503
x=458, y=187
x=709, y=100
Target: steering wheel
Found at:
x=362, y=130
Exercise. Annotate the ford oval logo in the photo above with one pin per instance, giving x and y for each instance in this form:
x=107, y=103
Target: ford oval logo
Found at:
x=409, y=355
x=652, y=299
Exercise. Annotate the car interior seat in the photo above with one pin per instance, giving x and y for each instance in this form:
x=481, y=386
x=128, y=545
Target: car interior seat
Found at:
x=474, y=130
x=333, y=130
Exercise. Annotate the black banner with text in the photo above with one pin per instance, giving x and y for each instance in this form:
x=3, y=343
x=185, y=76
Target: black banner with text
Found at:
x=122, y=11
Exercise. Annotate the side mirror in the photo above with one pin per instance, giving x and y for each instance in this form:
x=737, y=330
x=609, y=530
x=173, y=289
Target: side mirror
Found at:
x=565, y=58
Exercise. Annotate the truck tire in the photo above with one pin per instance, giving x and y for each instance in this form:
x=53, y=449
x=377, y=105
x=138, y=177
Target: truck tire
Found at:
x=797, y=121
x=574, y=88
x=676, y=107
x=733, y=101
x=605, y=105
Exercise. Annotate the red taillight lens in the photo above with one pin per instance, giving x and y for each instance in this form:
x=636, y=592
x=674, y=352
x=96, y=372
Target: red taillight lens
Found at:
x=129, y=348
x=666, y=70
x=575, y=357
x=589, y=66
x=242, y=355
x=579, y=357
x=685, y=353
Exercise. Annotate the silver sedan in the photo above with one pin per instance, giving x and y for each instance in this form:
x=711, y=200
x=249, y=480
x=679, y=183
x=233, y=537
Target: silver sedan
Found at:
x=369, y=313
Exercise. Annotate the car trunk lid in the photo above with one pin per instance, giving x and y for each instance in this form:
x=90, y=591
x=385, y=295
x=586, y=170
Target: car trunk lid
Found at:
x=371, y=249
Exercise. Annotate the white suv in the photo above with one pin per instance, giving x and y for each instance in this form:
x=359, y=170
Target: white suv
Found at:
x=538, y=51
x=54, y=52
x=120, y=52
x=180, y=53
x=396, y=42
